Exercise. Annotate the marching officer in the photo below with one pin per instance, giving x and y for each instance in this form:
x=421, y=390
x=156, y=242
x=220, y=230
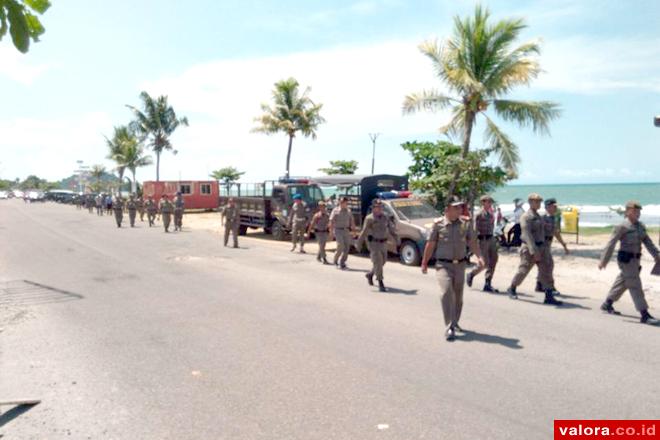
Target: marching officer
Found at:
x=152, y=209
x=377, y=226
x=448, y=243
x=631, y=234
x=99, y=204
x=166, y=210
x=484, y=224
x=140, y=207
x=551, y=231
x=342, y=226
x=89, y=203
x=178, y=211
x=131, y=205
x=118, y=208
x=231, y=218
x=320, y=224
x=298, y=223
x=532, y=251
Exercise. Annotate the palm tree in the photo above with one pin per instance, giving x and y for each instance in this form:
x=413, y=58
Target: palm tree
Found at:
x=156, y=122
x=122, y=135
x=134, y=158
x=291, y=112
x=97, y=172
x=480, y=65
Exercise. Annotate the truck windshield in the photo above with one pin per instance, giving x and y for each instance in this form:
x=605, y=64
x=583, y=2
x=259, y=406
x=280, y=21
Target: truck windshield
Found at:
x=311, y=194
x=414, y=209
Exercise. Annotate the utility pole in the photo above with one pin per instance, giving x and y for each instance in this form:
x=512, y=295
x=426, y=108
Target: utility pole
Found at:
x=373, y=137
x=656, y=122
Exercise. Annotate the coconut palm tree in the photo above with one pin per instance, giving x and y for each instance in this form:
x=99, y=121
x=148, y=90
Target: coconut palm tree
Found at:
x=97, y=172
x=133, y=158
x=291, y=113
x=479, y=65
x=156, y=122
x=122, y=135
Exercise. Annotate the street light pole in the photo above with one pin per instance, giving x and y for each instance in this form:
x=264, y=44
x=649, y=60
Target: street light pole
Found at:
x=373, y=137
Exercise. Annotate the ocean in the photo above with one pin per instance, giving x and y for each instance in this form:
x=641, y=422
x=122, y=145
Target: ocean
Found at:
x=594, y=201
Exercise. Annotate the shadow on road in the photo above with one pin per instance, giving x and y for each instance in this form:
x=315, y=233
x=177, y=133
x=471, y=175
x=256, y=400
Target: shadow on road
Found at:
x=565, y=305
x=13, y=413
x=472, y=336
x=30, y=293
x=395, y=290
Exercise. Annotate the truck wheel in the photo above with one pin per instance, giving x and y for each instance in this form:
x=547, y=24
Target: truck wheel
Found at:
x=278, y=231
x=409, y=253
x=242, y=230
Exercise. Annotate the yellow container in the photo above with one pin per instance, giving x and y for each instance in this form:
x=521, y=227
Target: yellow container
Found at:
x=570, y=217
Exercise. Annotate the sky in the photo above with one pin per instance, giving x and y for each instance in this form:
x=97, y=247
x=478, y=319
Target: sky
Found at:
x=217, y=63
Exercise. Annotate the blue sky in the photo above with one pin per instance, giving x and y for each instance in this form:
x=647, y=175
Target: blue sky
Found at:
x=217, y=62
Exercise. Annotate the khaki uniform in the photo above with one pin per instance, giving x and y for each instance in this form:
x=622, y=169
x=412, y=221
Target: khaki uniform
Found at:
x=298, y=224
x=344, y=223
x=131, y=205
x=631, y=236
x=166, y=210
x=118, y=208
x=152, y=209
x=452, y=240
x=375, y=230
x=99, y=205
x=178, y=213
x=232, y=219
x=533, y=243
x=484, y=226
x=140, y=207
x=550, y=231
x=89, y=202
x=320, y=224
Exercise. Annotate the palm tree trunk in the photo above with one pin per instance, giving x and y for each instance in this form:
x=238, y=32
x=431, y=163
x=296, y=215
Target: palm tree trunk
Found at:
x=133, y=183
x=157, y=166
x=469, y=122
x=288, y=156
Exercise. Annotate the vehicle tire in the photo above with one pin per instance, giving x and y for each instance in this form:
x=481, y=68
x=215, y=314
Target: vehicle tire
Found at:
x=278, y=232
x=242, y=230
x=409, y=253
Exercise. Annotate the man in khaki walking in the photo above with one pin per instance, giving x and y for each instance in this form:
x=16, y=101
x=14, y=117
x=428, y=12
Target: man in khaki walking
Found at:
x=631, y=234
x=342, y=227
x=320, y=225
x=484, y=224
x=298, y=223
x=551, y=231
x=448, y=243
x=231, y=217
x=375, y=230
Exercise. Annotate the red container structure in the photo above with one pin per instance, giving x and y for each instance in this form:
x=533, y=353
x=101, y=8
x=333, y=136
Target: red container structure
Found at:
x=197, y=194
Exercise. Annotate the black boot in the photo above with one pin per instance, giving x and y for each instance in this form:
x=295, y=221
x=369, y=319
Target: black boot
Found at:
x=469, y=279
x=489, y=288
x=550, y=298
x=512, y=293
x=607, y=307
x=381, y=286
x=539, y=287
x=647, y=318
x=370, y=278
x=325, y=261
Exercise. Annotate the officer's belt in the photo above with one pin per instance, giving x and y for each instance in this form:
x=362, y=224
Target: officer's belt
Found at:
x=539, y=243
x=549, y=239
x=445, y=260
x=484, y=237
x=631, y=255
x=377, y=240
x=341, y=229
x=321, y=230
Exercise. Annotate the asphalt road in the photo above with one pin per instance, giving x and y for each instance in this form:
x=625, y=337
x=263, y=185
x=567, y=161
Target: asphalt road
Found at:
x=135, y=334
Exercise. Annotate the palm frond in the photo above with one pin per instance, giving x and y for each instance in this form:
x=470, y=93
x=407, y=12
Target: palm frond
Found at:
x=501, y=145
x=536, y=114
x=429, y=100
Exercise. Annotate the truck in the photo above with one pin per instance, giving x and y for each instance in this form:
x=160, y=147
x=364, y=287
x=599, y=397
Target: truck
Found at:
x=413, y=217
x=265, y=205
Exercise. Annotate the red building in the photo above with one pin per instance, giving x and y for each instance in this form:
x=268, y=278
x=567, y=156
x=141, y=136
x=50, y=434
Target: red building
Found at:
x=197, y=194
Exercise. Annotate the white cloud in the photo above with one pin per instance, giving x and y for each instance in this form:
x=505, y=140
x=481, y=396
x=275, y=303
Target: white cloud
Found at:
x=361, y=88
x=49, y=148
x=16, y=67
x=582, y=64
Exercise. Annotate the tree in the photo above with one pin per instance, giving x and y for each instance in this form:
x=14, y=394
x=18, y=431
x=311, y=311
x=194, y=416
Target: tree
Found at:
x=291, y=113
x=435, y=165
x=117, y=145
x=341, y=167
x=97, y=172
x=18, y=17
x=133, y=158
x=156, y=122
x=226, y=175
x=480, y=66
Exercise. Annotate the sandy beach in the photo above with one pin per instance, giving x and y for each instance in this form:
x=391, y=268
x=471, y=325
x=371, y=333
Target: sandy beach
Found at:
x=576, y=275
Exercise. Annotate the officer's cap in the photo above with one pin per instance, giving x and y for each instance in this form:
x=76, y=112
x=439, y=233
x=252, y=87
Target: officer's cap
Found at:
x=377, y=202
x=534, y=196
x=297, y=197
x=455, y=201
x=550, y=201
x=178, y=193
x=485, y=198
x=321, y=204
x=633, y=204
